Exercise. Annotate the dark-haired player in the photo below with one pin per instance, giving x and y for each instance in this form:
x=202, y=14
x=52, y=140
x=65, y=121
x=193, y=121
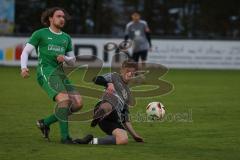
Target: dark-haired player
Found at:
x=138, y=31
x=111, y=113
x=54, y=47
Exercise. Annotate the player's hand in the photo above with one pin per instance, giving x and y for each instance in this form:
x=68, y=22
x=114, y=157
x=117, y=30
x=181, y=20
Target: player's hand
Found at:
x=137, y=138
x=110, y=88
x=60, y=58
x=25, y=72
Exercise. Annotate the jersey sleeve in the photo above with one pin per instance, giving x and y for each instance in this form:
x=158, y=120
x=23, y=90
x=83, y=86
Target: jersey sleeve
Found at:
x=146, y=27
x=69, y=46
x=35, y=39
x=108, y=77
x=127, y=29
x=103, y=80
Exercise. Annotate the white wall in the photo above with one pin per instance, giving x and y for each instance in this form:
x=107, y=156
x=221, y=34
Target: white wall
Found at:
x=202, y=54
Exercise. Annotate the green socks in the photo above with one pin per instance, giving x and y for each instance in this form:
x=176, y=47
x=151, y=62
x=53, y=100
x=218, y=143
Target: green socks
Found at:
x=50, y=120
x=62, y=116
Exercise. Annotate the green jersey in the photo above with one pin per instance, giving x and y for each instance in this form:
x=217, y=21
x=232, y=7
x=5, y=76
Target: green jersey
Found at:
x=49, y=45
x=50, y=74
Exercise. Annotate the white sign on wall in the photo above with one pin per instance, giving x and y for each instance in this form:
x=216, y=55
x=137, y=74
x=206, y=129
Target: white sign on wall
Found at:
x=202, y=54
x=197, y=54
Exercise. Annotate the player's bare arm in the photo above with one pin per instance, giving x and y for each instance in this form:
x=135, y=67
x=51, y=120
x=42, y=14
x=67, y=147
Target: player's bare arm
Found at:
x=110, y=88
x=132, y=132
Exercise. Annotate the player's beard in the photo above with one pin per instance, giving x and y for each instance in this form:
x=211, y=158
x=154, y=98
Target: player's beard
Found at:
x=59, y=25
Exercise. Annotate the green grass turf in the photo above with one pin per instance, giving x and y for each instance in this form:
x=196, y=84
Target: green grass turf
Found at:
x=206, y=126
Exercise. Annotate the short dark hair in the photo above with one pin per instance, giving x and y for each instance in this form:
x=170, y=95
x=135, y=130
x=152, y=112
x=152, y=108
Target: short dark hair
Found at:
x=136, y=12
x=129, y=64
x=50, y=12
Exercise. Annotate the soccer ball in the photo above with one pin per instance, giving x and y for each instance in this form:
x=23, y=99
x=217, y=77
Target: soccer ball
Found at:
x=155, y=110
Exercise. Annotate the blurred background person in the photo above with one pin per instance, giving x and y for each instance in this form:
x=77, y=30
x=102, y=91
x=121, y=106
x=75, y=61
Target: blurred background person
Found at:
x=138, y=31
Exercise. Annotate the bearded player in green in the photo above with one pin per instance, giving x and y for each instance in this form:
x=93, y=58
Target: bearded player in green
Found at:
x=54, y=48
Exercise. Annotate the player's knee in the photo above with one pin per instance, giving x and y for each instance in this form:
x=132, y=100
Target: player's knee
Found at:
x=62, y=98
x=122, y=140
x=78, y=103
x=121, y=136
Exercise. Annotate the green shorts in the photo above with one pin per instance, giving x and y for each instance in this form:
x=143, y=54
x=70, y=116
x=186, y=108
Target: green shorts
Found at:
x=54, y=83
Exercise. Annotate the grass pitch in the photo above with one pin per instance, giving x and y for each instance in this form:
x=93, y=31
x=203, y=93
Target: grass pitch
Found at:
x=202, y=121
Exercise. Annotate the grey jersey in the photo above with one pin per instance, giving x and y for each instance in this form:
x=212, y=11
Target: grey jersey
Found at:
x=136, y=32
x=121, y=97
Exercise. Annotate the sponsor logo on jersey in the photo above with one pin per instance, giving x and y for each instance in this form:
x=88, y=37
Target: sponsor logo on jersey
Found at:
x=52, y=47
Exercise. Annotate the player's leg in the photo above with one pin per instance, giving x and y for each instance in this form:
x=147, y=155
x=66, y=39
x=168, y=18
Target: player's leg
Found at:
x=136, y=56
x=57, y=87
x=69, y=101
x=56, y=90
x=120, y=135
x=48, y=84
x=141, y=66
x=143, y=56
x=108, y=127
x=66, y=102
x=107, y=140
x=114, y=130
x=101, y=110
x=115, y=134
x=77, y=102
x=61, y=113
x=74, y=96
x=44, y=124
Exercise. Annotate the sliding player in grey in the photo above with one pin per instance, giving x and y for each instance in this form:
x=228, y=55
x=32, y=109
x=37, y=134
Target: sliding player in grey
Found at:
x=111, y=113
